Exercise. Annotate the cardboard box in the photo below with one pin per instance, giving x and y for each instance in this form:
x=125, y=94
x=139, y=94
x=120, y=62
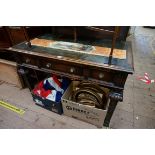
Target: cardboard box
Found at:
x=47, y=104
x=86, y=113
x=8, y=73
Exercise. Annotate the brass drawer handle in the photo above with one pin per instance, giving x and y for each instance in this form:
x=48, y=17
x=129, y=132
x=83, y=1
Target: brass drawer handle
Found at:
x=48, y=65
x=101, y=75
x=72, y=69
x=27, y=60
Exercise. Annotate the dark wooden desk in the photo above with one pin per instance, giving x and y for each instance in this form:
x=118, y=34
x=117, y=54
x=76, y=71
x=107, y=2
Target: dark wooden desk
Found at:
x=79, y=66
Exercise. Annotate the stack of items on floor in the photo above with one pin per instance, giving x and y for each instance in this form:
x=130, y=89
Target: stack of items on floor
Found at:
x=86, y=101
x=81, y=100
x=48, y=93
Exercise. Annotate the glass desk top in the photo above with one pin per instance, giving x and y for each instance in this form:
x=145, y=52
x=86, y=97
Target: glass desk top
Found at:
x=121, y=64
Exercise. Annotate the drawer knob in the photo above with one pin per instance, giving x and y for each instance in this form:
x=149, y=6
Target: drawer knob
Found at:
x=72, y=69
x=101, y=75
x=48, y=65
x=27, y=60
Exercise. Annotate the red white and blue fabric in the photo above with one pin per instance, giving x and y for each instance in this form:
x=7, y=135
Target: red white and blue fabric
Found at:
x=53, y=83
x=52, y=88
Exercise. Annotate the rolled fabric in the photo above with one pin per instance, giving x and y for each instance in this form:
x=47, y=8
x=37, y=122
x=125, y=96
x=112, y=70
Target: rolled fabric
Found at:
x=53, y=83
x=52, y=88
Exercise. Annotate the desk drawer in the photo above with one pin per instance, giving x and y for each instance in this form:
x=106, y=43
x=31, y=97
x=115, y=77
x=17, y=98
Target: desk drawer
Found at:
x=62, y=67
x=102, y=75
x=29, y=60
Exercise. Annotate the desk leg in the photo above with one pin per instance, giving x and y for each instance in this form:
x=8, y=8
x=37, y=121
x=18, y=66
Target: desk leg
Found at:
x=23, y=74
x=114, y=99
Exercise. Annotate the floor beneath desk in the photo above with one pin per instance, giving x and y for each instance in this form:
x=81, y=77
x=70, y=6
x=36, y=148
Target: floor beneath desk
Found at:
x=137, y=110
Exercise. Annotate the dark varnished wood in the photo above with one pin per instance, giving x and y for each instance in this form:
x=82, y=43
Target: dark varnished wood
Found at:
x=110, y=76
x=82, y=69
x=77, y=61
x=114, y=33
x=114, y=97
x=87, y=33
x=12, y=35
x=5, y=41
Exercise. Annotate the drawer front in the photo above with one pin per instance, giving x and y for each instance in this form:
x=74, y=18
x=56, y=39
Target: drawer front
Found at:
x=102, y=75
x=29, y=60
x=69, y=69
x=61, y=67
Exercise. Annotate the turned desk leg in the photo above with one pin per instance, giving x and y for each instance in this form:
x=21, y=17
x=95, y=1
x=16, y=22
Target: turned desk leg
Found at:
x=114, y=99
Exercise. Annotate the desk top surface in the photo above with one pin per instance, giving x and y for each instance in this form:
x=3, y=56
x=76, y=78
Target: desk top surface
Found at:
x=125, y=64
